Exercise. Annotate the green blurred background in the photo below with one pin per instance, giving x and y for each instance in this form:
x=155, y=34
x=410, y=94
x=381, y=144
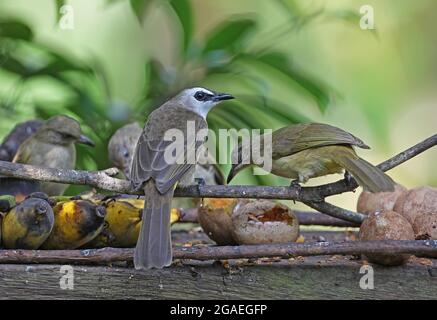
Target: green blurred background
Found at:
x=287, y=61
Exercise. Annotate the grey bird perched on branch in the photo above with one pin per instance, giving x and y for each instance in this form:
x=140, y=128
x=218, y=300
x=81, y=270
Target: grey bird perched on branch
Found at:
x=153, y=171
x=53, y=146
x=121, y=148
x=311, y=150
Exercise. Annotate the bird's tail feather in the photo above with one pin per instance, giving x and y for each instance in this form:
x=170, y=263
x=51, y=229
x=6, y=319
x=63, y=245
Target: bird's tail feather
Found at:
x=367, y=175
x=153, y=248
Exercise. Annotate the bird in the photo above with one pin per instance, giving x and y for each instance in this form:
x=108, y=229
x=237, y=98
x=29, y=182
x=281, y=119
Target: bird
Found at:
x=8, y=148
x=121, y=146
x=52, y=146
x=121, y=149
x=15, y=138
x=304, y=151
x=153, y=172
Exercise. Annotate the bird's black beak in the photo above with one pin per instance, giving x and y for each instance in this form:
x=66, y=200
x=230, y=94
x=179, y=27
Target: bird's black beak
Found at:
x=221, y=97
x=85, y=140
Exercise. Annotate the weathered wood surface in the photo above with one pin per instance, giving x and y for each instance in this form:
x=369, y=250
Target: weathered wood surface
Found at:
x=300, y=278
x=311, y=278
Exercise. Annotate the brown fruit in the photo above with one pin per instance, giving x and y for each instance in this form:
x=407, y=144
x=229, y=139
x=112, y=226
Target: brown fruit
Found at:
x=425, y=226
x=262, y=222
x=417, y=201
x=387, y=225
x=214, y=217
x=382, y=201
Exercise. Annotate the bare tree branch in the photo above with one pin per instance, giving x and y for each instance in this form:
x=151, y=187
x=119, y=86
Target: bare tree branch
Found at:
x=109, y=255
x=306, y=218
x=336, y=212
x=312, y=196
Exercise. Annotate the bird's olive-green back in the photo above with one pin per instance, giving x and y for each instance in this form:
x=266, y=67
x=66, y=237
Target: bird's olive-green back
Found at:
x=295, y=138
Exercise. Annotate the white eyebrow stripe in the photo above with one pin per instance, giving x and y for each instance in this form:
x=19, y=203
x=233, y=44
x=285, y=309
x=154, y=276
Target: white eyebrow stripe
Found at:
x=202, y=89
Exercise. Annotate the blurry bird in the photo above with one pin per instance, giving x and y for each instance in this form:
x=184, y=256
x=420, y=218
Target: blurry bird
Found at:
x=15, y=138
x=12, y=186
x=311, y=150
x=121, y=147
x=157, y=175
x=53, y=146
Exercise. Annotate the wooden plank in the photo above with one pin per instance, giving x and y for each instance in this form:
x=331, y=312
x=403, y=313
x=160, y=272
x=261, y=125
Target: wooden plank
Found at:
x=310, y=278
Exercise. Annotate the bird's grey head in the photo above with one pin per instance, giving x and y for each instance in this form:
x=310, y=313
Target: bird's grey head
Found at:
x=201, y=100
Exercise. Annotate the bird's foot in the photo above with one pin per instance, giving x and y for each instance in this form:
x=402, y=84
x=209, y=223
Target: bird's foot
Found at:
x=136, y=186
x=200, y=183
x=296, y=185
x=111, y=172
x=347, y=178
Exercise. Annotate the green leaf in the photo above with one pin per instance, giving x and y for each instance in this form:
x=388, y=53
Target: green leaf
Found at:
x=274, y=109
x=229, y=36
x=183, y=10
x=291, y=8
x=11, y=64
x=60, y=64
x=318, y=91
x=15, y=30
x=140, y=7
x=111, y=2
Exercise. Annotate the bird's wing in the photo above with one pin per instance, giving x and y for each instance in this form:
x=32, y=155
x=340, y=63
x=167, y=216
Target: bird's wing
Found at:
x=24, y=152
x=150, y=161
x=290, y=140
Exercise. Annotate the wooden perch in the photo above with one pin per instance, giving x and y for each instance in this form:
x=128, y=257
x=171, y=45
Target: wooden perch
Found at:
x=109, y=255
x=312, y=196
x=306, y=218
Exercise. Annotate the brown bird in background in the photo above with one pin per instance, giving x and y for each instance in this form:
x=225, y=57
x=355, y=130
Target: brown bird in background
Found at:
x=305, y=151
x=53, y=146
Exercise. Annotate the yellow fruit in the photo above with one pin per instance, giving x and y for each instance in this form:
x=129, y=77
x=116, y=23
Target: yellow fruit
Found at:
x=76, y=223
x=27, y=225
x=123, y=223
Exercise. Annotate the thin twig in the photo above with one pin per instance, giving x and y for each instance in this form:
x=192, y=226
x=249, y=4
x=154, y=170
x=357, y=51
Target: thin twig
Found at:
x=306, y=218
x=337, y=212
x=109, y=255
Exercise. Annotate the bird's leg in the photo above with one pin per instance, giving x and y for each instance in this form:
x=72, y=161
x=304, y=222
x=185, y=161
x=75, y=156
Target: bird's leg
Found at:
x=347, y=178
x=200, y=183
x=137, y=187
x=296, y=185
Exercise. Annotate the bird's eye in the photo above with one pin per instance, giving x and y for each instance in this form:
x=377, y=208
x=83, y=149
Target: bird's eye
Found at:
x=200, y=96
x=67, y=136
